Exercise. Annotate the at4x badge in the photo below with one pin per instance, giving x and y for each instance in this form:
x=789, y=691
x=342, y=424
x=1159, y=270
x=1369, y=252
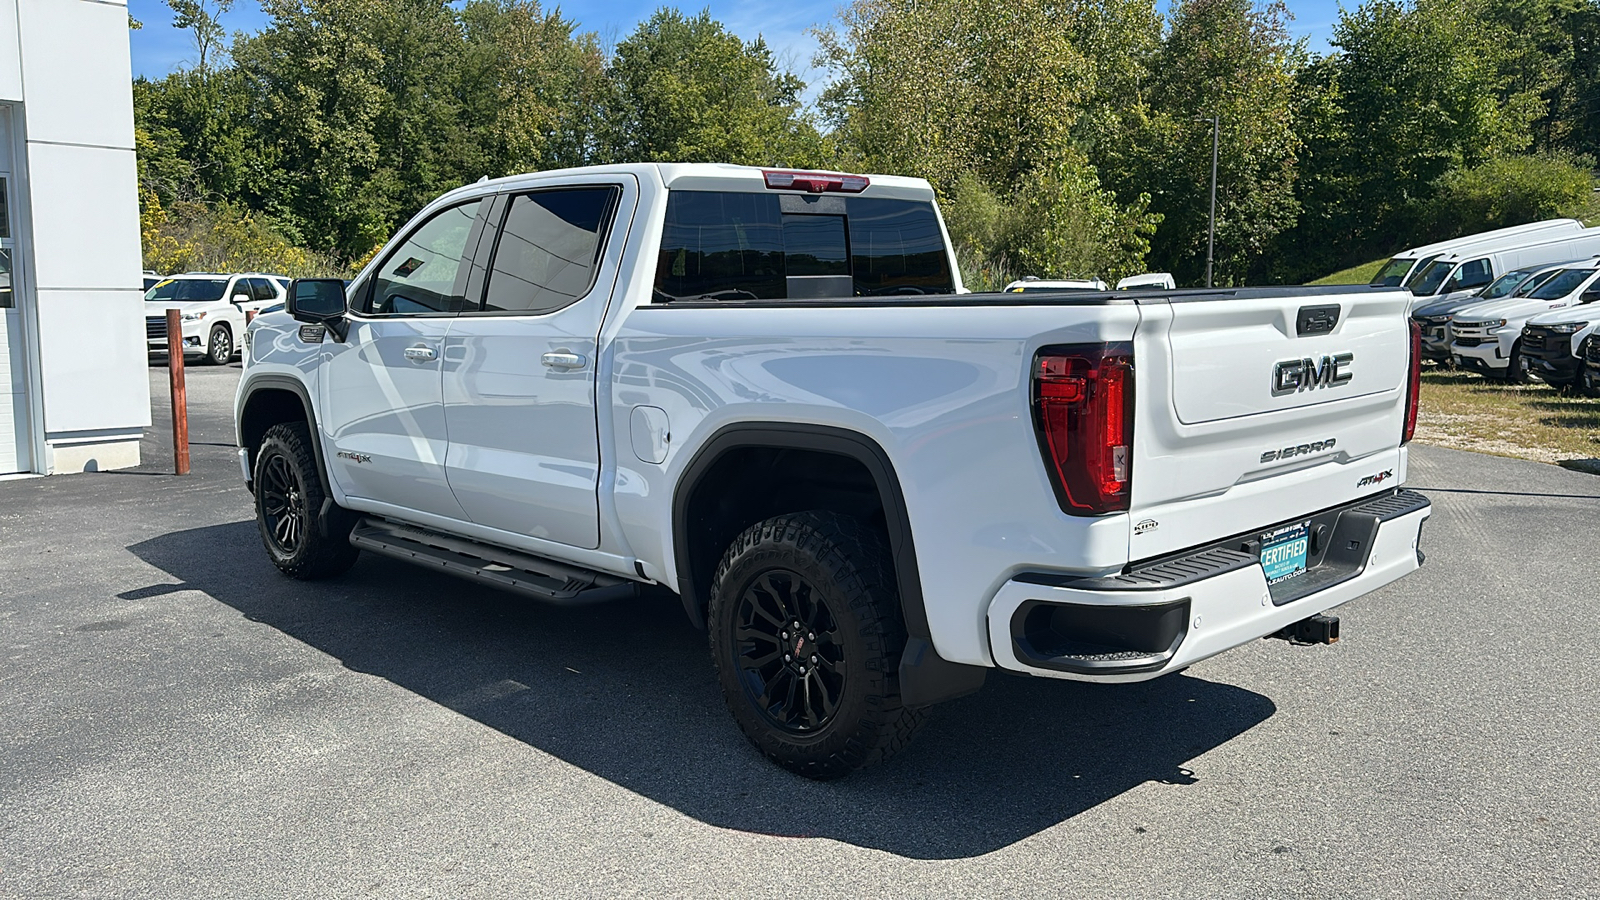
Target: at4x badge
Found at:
x=1379, y=478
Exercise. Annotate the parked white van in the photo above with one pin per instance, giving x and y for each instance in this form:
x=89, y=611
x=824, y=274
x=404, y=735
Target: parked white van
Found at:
x=1461, y=272
x=1487, y=337
x=1149, y=281
x=1409, y=263
x=1031, y=283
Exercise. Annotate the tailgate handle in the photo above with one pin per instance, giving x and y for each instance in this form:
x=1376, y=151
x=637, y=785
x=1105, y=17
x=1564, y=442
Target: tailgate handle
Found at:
x=1316, y=319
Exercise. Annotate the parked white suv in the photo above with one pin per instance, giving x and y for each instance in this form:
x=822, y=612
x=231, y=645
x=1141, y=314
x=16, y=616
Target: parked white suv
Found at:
x=1487, y=337
x=214, y=310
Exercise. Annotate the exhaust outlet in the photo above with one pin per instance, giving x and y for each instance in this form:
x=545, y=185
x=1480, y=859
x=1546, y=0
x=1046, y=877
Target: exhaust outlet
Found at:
x=1318, y=629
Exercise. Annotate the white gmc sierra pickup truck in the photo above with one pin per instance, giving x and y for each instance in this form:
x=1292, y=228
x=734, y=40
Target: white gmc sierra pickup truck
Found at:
x=767, y=393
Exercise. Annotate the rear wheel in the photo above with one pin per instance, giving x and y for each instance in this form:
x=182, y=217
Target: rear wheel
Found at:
x=289, y=497
x=806, y=635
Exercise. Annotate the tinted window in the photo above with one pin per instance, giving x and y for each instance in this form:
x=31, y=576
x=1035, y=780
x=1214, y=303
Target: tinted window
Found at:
x=1561, y=284
x=1505, y=284
x=896, y=248
x=1527, y=287
x=731, y=246
x=1420, y=270
x=1476, y=273
x=721, y=245
x=548, y=249
x=188, y=289
x=262, y=290
x=815, y=245
x=421, y=275
x=1431, y=278
x=1391, y=273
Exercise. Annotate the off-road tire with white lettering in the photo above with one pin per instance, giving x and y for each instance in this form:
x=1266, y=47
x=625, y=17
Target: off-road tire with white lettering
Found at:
x=832, y=574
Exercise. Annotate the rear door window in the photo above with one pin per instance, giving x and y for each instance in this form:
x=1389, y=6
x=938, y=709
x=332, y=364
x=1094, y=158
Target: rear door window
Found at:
x=549, y=246
x=723, y=245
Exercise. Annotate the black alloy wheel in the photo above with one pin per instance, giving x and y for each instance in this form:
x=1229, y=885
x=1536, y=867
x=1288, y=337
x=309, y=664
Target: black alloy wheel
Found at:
x=806, y=635
x=791, y=661
x=283, y=505
x=301, y=540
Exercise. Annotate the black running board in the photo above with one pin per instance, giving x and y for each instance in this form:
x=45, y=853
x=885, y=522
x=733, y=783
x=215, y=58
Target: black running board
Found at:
x=510, y=570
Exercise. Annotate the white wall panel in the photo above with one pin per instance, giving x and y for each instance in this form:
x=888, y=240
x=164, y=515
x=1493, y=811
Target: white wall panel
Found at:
x=13, y=380
x=76, y=71
x=10, y=62
x=85, y=203
x=95, y=367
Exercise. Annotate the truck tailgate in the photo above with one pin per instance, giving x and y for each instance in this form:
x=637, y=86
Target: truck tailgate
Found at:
x=1263, y=406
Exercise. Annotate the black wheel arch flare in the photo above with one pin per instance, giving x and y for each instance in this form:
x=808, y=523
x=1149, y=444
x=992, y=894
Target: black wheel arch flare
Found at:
x=925, y=677
x=273, y=382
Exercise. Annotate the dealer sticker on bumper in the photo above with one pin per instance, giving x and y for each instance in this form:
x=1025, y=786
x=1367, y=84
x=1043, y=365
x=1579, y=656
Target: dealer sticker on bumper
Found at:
x=1283, y=553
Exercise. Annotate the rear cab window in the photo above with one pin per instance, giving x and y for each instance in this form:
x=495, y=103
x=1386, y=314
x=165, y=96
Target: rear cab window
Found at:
x=735, y=245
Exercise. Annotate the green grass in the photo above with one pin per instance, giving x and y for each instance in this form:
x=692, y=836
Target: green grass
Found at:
x=1361, y=274
x=1465, y=411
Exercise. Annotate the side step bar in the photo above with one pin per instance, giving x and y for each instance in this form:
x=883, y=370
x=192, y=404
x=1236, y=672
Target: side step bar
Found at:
x=510, y=570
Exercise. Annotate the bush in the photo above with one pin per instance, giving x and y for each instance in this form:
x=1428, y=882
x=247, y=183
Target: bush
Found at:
x=1057, y=223
x=195, y=236
x=1511, y=190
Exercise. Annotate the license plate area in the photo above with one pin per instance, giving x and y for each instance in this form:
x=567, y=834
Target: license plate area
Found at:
x=1284, y=552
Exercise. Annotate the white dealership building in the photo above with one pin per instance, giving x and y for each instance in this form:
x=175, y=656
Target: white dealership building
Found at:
x=74, y=385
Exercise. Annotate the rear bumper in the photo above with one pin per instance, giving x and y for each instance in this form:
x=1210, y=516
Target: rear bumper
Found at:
x=1163, y=616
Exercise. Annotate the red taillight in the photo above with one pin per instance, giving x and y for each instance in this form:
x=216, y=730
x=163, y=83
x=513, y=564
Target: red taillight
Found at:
x=815, y=182
x=1413, y=384
x=1083, y=409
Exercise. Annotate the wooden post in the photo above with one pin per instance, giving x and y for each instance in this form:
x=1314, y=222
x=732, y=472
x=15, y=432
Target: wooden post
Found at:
x=180, y=399
x=249, y=316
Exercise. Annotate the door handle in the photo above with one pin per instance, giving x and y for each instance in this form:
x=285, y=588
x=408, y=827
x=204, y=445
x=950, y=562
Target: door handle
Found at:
x=562, y=359
x=419, y=353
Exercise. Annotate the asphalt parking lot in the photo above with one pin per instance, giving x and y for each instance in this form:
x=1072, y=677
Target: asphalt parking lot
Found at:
x=178, y=720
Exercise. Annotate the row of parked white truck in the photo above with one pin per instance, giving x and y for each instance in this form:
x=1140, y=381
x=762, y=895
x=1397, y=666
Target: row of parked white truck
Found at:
x=1514, y=304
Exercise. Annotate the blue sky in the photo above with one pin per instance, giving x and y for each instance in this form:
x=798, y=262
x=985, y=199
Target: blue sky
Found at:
x=158, y=48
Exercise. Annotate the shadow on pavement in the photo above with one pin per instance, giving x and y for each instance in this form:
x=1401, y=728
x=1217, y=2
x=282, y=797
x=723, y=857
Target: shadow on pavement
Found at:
x=625, y=691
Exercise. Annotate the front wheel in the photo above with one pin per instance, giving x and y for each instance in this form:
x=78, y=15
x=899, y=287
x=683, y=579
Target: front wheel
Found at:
x=289, y=496
x=219, y=349
x=1586, y=381
x=806, y=636
x=1517, y=370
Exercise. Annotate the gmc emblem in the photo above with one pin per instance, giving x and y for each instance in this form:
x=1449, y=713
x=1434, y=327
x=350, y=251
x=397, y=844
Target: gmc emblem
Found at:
x=1293, y=375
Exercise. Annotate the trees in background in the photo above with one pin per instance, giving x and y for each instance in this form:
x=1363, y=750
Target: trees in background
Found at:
x=1062, y=136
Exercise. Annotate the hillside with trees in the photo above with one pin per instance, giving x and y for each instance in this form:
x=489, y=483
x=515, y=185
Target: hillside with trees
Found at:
x=1064, y=139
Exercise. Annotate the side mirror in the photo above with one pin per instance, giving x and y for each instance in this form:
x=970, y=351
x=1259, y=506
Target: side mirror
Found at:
x=318, y=301
x=1590, y=296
